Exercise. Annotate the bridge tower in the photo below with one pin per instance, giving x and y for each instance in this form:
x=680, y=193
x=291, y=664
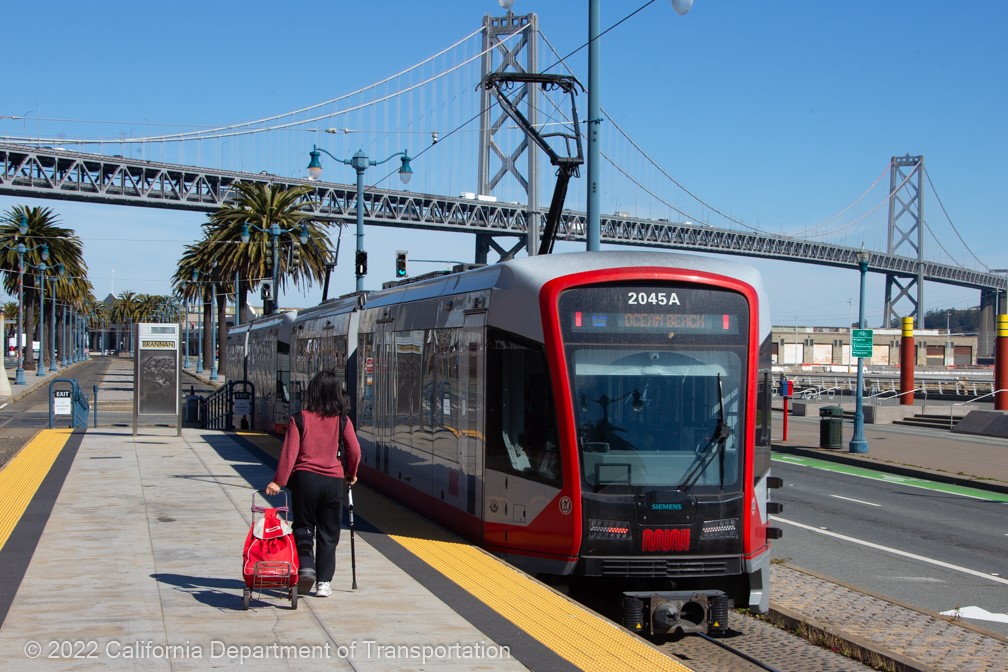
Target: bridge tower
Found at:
x=906, y=238
x=496, y=163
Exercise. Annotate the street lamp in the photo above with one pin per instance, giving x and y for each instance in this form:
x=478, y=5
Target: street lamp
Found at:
x=199, y=357
x=858, y=444
x=360, y=163
x=52, y=327
x=19, y=374
x=592, y=214
x=274, y=232
x=41, y=337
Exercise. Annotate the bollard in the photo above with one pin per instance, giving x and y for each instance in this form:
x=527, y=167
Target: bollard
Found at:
x=1001, y=364
x=907, y=363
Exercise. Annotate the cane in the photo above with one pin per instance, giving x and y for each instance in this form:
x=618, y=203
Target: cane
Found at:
x=353, y=554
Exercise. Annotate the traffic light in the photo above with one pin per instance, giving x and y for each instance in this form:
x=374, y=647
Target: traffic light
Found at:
x=266, y=293
x=400, y=263
x=361, y=263
x=295, y=255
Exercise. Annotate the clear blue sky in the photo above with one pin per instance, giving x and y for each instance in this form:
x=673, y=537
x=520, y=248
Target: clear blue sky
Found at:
x=780, y=114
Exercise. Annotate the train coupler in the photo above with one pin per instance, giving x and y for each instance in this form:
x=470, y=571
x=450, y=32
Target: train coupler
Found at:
x=665, y=612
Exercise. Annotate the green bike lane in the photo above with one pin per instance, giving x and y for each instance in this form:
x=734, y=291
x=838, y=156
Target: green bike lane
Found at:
x=883, y=476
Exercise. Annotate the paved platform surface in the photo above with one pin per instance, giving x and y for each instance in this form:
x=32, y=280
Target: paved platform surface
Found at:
x=139, y=567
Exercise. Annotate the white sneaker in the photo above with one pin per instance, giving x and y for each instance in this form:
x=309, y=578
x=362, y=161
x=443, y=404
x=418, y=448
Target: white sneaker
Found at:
x=323, y=589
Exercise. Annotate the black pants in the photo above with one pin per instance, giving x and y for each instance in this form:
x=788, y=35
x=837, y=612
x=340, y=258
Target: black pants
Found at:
x=318, y=502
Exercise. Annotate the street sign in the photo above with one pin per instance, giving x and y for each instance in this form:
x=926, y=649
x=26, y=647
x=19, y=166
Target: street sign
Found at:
x=242, y=403
x=861, y=342
x=62, y=402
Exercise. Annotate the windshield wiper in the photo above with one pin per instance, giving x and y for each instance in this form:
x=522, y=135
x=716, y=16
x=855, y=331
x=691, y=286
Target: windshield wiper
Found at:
x=715, y=446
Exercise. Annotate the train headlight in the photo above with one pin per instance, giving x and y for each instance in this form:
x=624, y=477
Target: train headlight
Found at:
x=726, y=528
x=608, y=529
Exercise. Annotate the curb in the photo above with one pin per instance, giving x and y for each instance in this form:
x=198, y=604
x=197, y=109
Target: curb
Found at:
x=869, y=653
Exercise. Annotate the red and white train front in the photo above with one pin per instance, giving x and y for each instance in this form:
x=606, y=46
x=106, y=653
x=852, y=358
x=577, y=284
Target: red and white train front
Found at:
x=657, y=392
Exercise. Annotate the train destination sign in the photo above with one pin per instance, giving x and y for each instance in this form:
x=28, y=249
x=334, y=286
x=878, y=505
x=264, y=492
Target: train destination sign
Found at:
x=654, y=322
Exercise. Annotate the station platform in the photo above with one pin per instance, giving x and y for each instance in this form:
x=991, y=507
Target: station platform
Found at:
x=124, y=552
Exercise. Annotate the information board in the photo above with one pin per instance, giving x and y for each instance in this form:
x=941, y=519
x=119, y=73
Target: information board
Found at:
x=861, y=342
x=157, y=376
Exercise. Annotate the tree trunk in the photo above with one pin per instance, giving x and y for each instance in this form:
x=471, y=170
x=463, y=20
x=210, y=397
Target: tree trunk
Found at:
x=29, y=329
x=243, y=289
x=221, y=326
x=207, y=333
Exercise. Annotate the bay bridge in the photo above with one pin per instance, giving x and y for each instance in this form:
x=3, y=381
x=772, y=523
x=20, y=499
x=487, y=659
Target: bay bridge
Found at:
x=506, y=164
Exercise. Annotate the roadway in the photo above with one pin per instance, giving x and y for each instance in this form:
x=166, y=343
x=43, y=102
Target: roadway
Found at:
x=929, y=545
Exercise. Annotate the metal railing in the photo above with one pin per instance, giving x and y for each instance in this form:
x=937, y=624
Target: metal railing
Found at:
x=886, y=395
x=79, y=406
x=970, y=401
x=217, y=410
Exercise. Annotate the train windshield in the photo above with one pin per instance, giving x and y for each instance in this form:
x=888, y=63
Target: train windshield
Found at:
x=658, y=381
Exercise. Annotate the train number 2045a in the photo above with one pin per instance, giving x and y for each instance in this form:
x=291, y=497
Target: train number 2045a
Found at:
x=652, y=298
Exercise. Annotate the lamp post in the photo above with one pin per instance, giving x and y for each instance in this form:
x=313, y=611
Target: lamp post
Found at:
x=274, y=232
x=41, y=337
x=185, y=311
x=199, y=356
x=213, y=331
x=592, y=214
x=19, y=374
x=858, y=444
x=360, y=163
x=52, y=326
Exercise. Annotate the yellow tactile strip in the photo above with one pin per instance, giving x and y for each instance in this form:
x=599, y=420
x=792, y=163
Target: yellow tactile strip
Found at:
x=21, y=477
x=572, y=632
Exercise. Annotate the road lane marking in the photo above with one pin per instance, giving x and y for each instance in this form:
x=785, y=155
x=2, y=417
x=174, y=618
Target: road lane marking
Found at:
x=856, y=501
x=894, y=551
x=862, y=472
x=976, y=613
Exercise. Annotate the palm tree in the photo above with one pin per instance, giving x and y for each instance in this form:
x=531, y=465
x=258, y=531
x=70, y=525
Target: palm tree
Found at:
x=44, y=235
x=254, y=209
x=125, y=311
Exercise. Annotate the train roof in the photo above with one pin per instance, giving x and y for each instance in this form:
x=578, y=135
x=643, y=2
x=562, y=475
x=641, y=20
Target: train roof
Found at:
x=535, y=271
x=529, y=274
x=264, y=322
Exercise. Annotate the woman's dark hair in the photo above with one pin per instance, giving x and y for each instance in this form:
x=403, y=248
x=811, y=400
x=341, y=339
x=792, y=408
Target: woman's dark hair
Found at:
x=324, y=395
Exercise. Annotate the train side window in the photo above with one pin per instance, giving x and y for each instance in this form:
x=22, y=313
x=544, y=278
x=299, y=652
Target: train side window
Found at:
x=520, y=416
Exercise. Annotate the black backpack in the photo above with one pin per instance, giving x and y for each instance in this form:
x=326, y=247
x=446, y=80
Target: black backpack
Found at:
x=299, y=421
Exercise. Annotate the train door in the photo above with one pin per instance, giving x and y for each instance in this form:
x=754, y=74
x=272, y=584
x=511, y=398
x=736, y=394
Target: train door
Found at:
x=472, y=379
x=383, y=390
x=282, y=398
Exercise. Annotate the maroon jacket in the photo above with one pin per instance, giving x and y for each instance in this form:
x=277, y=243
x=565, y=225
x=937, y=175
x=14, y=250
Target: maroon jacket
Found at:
x=315, y=450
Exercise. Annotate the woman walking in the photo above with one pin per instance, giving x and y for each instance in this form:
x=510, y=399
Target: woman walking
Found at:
x=314, y=461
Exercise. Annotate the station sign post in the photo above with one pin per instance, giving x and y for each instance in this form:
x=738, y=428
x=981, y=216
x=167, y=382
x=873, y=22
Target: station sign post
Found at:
x=157, y=379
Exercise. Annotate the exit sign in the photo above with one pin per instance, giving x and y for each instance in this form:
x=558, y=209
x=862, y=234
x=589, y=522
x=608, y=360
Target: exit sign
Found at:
x=861, y=342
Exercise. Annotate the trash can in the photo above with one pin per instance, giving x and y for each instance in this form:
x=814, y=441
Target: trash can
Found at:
x=830, y=427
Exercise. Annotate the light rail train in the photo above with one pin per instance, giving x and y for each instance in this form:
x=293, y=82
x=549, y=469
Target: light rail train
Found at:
x=602, y=416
